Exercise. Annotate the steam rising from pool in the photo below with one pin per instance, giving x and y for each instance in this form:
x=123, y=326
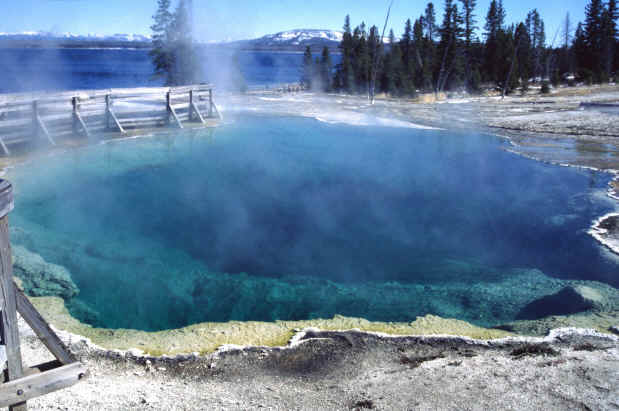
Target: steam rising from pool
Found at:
x=277, y=218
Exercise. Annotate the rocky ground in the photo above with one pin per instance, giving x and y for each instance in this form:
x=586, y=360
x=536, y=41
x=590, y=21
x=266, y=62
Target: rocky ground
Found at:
x=568, y=369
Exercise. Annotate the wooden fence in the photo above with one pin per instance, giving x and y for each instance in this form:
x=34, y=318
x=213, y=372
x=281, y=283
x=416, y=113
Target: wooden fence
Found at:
x=26, y=118
x=22, y=384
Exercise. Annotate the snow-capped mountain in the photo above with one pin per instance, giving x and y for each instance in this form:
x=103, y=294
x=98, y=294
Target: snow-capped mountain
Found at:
x=70, y=38
x=297, y=37
x=294, y=40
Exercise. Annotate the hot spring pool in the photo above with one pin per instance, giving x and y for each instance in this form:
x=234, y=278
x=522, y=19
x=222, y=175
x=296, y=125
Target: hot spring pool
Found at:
x=280, y=218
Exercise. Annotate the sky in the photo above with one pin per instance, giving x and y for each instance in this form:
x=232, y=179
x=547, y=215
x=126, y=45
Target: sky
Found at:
x=243, y=19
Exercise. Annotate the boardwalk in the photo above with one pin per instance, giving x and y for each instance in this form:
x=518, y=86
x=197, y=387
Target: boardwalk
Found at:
x=30, y=117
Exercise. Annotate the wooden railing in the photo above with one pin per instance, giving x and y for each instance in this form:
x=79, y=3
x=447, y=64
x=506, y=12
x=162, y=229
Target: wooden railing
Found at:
x=25, y=118
x=22, y=384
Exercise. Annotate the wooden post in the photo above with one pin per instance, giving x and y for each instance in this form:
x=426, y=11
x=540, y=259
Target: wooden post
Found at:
x=8, y=327
x=35, y=116
x=52, y=376
x=74, y=117
x=109, y=114
x=5, y=149
x=171, y=113
x=194, y=110
x=37, y=124
x=190, y=105
x=108, y=104
x=210, y=101
x=77, y=119
x=168, y=108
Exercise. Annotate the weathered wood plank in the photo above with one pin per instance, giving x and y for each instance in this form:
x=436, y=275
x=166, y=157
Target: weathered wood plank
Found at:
x=196, y=110
x=175, y=116
x=159, y=116
x=210, y=103
x=171, y=113
x=33, y=386
x=5, y=149
x=6, y=198
x=132, y=95
x=113, y=117
x=41, y=124
x=81, y=122
x=8, y=324
x=216, y=110
x=38, y=369
x=40, y=327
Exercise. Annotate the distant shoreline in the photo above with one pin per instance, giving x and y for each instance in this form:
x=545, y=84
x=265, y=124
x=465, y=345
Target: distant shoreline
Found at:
x=12, y=45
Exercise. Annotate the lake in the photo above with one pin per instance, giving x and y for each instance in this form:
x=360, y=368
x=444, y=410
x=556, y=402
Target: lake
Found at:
x=80, y=69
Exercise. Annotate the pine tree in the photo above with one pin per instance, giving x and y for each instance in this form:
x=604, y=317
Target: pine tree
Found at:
x=418, y=46
x=594, y=36
x=507, y=62
x=609, y=37
x=307, y=70
x=492, y=25
x=491, y=49
x=325, y=69
x=581, y=54
x=161, y=53
x=535, y=29
x=449, y=48
x=468, y=16
x=345, y=70
x=407, y=57
x=392, y=72
x=361, y=59
x=375, y=44
x=523, y=56
x=430, y=21
x=501, y=13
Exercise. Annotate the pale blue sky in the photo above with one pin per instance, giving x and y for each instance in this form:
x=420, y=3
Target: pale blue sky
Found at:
x=239, y=19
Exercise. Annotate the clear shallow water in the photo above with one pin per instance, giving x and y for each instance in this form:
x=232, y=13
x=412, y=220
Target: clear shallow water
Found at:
x=287, y=218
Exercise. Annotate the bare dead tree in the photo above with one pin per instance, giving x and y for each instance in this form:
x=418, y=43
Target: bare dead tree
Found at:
x=567, y=30
x=444, y=72
x=550, y=59
x=375, y=62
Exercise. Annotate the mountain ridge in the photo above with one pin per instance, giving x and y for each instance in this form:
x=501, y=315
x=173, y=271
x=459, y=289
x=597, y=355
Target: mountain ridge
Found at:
x=289, y=40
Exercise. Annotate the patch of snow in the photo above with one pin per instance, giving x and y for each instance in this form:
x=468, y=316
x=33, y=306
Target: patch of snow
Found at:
x=298, y=36
x=602, y=234
x=131, y=37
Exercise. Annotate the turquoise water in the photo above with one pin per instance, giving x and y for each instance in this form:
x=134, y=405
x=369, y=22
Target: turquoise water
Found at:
x=278, y=218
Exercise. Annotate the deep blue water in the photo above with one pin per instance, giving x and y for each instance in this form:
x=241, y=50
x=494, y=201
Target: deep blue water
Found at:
x=78, y=69
x=286, y=218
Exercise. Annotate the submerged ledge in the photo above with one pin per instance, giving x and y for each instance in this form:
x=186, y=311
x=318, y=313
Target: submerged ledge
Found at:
x=206, y=338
